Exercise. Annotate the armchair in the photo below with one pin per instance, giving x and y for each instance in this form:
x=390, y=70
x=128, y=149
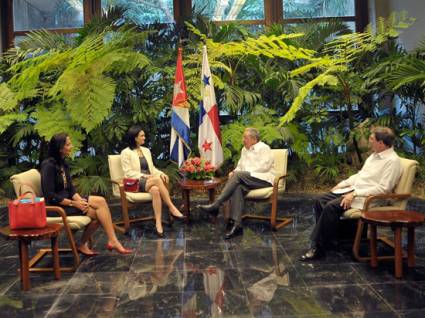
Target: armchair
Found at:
x=384, y=202
x=270, y=194
x=128, y=199
x=31, y=181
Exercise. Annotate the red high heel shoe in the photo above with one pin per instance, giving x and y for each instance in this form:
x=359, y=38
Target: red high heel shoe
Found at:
x=119, y=250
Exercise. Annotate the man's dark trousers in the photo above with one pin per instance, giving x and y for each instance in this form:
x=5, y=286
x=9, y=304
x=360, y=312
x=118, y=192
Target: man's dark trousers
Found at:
x=327, y=211
x=239, y=184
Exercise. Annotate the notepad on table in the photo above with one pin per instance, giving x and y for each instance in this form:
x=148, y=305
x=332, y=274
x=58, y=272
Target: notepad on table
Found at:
x=343, y=190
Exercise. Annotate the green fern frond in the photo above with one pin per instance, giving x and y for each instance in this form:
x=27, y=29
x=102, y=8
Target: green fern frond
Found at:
x=27, y=79
x=8, y=99
x=408, y=71
x=322, y=79
x=123, y=61
x=46, y=127
x=45, y=40
x=87, y=185
x=8, y=119
x=88, y=97
x=23, y=130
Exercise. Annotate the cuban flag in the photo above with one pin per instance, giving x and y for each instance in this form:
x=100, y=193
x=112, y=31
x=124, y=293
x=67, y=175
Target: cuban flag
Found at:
x=209, y=137
x=180, y=127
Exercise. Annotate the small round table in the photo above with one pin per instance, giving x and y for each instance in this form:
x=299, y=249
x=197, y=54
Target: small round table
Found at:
x=396, y=220
x=25, y=236
x=203, y=185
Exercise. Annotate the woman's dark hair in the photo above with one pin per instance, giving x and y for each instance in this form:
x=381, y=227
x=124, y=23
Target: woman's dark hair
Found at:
x=132, y=133
x=56, y=144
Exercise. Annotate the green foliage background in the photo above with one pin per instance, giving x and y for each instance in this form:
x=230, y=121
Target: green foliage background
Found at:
x=312, y=88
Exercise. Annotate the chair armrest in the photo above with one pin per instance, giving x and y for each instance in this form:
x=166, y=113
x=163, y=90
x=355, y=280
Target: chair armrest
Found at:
x=120, y=187
x=117, y=182
x=277, y=179
x=60, y=212
x=56, y=209
x=276, y=184
x=391, y=196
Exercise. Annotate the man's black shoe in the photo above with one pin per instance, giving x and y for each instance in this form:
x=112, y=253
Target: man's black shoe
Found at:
x=235, y=230
x=312, y=254
x=210, y=208
x=229, y=225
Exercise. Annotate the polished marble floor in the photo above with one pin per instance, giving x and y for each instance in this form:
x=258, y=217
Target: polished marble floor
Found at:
x=194, y=272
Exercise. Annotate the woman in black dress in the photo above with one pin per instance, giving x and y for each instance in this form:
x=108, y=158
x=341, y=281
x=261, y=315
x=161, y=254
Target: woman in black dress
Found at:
x=58, y=190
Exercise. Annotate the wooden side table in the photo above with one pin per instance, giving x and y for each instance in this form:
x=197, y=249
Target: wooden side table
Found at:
x=188, y=185
x=24, y=238
x=396, y=220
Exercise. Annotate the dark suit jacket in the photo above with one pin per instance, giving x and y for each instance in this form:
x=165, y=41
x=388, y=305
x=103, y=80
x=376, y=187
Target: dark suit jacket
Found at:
x=52, y=183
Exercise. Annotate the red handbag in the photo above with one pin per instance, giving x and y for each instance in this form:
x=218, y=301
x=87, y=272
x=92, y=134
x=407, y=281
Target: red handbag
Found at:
x=131, y=185
x=27, y=213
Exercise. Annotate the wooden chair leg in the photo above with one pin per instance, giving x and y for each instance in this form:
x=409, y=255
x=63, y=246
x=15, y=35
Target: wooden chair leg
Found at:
x=373, y=247
x=275, y=222
x=411, y=259
x=125, y=216
x=357, y=240
x=273, y=214
x=55, y=254
x=24, y=265
x=398, y=253
x=72, y=244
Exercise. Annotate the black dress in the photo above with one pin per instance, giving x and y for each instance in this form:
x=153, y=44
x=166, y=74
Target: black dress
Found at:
x=56, y=184
x=144, y=167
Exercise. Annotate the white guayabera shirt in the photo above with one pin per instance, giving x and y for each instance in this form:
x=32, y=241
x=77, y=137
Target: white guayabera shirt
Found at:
x=258, y=160
x=379, y=175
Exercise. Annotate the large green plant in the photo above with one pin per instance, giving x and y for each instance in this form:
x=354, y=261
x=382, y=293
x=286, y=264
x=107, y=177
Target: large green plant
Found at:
x=71, y=89
x=339, y=62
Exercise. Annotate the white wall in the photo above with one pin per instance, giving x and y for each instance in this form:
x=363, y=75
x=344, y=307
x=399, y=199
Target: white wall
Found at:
x=414, y=8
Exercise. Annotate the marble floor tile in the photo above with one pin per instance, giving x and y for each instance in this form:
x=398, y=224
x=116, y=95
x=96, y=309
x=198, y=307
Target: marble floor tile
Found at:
x=215, y=303
x=83, y=306
x=8, y=248
x=200, y=261
x=9, y=265
x=197, y=246
x=6, y=282
x=271, y=277
x=318, y=301
x=149, y=305
x=165, y=246
x=96, y=283
x=332, y=256
x=415, y=313
x=152, y=284
x=319, y=274
x=42, y=284
x=26, y=305
x=260, y=257
x=212, y=278
x=194, y=272
x=385, y=272
x=111, y=263
x=159, y=262
x=402, y=296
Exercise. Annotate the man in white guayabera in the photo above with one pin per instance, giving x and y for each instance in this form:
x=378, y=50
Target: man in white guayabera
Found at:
x=379, y=175
x=255, y=170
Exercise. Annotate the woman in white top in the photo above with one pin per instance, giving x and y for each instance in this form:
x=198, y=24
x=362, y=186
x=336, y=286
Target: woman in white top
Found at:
x=137, y=164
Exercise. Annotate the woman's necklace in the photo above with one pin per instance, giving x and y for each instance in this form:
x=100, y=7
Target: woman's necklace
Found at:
x=65, y=182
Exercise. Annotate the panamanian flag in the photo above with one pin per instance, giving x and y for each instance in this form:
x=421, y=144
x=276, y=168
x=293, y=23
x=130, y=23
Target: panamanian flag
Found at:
x=180, y=127
x=209, y=137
